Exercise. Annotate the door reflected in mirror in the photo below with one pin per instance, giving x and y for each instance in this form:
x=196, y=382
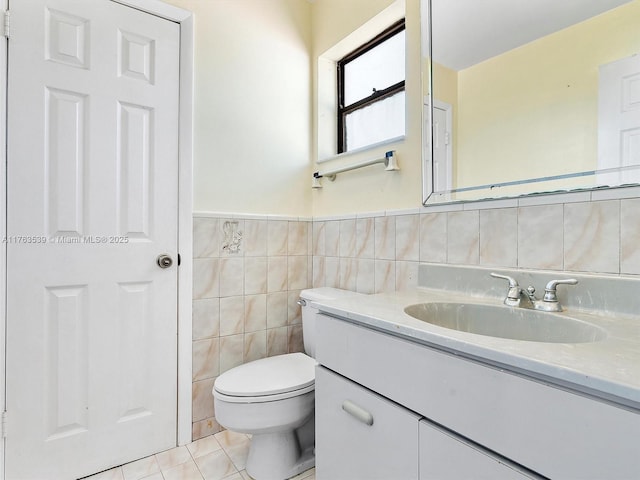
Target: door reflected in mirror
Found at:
x=532, y=97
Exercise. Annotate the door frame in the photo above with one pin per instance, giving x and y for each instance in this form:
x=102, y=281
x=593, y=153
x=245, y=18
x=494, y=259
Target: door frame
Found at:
x=448, y=109
x=185, y=210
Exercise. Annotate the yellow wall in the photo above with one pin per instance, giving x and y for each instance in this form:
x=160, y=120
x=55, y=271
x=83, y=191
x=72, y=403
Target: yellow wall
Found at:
x=533, y=111
x=371, y=189
x=252, y=120
x=253, y=131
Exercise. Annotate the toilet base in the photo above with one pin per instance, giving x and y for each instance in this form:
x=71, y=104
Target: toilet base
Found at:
x=280, y=455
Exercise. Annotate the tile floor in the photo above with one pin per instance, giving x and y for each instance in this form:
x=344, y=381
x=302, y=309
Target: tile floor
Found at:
x=216, y=457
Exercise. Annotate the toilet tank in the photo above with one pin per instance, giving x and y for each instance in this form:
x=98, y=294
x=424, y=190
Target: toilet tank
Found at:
x=309, y=314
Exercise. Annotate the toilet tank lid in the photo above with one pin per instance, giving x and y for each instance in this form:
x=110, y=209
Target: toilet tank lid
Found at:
x=268, y=376
x=325, y=293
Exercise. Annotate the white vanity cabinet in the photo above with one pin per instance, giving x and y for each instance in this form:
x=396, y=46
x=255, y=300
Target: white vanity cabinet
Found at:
x=502, y=425
x=446, y=456
x=363, y=435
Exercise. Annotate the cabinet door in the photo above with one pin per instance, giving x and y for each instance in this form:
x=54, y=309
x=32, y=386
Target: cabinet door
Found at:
x=446, y=456
x=361, y=435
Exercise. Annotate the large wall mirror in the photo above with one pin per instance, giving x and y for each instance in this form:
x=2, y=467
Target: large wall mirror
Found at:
x=527, y=97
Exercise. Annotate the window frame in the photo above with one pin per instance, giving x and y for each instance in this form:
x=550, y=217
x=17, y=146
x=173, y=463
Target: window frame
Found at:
x=377, y=95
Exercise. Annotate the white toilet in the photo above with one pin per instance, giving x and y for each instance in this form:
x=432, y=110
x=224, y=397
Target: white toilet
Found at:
x=273, y=400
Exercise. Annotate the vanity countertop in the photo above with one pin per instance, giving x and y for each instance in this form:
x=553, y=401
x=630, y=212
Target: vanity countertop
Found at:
x=608, y=368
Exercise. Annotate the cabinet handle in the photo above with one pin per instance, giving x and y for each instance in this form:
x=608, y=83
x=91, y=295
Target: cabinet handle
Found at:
x=357, y=412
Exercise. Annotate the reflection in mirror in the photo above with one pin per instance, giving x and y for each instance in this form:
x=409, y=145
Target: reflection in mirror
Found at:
x=532, y=97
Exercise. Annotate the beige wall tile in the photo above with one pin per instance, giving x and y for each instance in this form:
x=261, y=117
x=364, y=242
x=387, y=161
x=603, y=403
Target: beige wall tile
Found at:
x=433, y=237
x=277, y=237
x=365, y=237
x=406, y=275
x=348, y=273
x=591, y=236
x=255, y=345
x=202, y=399
x=385, y=238
x=294, y=311
x=385, y=271
x=206, y=278
x=332, y=272
x=231, y=315
x=255, y=313
x=541, y=237
x=297, y=272
x=277, y=309
x=204, y=428
x=297, y=239
x=332, y=238
x=499, y=237
x=255, y=275
x=206, y=237
x=630, y=236
x=231, y=276
x=206, y=318
x=231, y=352
x=463, y=237
x=348, y=238
x=206, y=358
x=277, y=341
x=366, y=276
x=296, y=343
x=407, y=237
x=255, y=238
x=277, y=272
x=318, y=272
x=318, y=238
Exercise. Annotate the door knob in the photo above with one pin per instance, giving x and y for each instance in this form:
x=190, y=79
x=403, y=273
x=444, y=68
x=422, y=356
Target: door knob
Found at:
x=164, y=261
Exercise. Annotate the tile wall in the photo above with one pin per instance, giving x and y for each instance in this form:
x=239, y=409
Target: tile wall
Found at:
x=380, y=252
x=247, y=276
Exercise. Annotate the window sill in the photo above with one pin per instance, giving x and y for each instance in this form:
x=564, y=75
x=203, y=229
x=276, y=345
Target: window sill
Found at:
x=368, y=148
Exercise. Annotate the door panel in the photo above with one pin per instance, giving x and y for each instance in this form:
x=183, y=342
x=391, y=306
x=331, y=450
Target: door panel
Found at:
x=619, y=120
x=92, y=201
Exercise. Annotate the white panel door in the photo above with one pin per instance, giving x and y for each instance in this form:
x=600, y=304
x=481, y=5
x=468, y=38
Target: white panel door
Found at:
x=619, y=121
x=92, y=202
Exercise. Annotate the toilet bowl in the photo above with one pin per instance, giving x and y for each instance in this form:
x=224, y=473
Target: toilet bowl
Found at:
x=273, y=400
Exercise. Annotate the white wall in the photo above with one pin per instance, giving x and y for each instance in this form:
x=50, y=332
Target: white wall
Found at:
x=252, y=120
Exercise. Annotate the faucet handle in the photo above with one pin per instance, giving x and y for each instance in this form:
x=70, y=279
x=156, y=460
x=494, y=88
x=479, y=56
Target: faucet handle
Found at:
x=550, y=294
x=513, y=295
x=512, y=281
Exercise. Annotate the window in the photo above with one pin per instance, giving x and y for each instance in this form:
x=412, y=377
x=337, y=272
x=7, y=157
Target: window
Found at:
x=371, y=95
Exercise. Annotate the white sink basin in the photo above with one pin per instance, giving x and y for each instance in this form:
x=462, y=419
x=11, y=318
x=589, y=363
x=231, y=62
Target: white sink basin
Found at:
x=504, y=322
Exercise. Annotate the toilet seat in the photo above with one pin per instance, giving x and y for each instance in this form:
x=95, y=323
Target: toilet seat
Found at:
x=267, y=379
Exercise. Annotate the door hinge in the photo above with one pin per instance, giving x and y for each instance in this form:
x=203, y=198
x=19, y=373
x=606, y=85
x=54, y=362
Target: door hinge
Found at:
x=4, y=424
x=6, y=24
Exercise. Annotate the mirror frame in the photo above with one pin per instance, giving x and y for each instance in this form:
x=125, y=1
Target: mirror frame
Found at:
x=427, y=108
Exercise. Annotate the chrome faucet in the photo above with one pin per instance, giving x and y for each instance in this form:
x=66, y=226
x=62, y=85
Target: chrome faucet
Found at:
x=548, y=303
